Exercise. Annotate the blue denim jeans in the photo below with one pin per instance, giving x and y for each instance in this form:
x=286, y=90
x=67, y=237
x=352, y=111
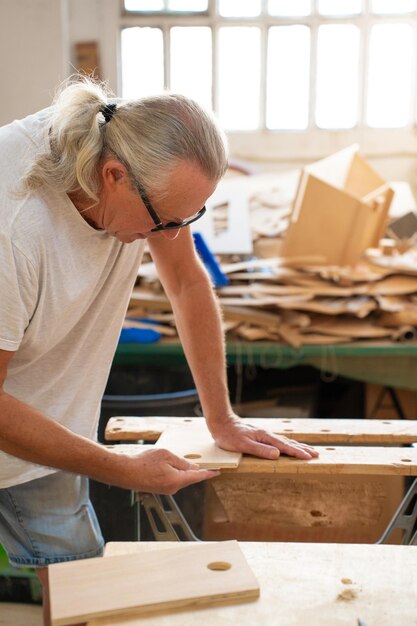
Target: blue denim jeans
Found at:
x=48, y=520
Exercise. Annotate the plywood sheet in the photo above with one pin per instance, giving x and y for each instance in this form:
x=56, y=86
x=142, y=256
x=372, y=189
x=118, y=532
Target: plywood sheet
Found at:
x=195, y=443
x=314, y=584
x=339, y=431
x=192, y=576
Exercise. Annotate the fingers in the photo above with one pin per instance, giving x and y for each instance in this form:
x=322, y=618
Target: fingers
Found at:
x=291, y=447
x=190, y=477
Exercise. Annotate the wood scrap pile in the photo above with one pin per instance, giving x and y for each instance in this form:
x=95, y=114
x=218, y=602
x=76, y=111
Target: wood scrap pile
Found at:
x=297, y=300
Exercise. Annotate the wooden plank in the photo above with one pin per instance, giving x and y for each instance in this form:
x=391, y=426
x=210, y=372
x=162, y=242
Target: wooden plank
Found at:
x=338, y=431
x=339, y=460
x=195, y=443
x=333, y=460
x=307, y=583
x=182, y=577
x=18, y=614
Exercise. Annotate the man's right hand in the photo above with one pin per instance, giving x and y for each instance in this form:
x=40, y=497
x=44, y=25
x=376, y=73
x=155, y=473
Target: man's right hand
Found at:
x=159, y=471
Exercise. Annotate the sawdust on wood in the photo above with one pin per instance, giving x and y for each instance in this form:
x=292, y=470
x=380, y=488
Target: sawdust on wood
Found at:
x=347, y=595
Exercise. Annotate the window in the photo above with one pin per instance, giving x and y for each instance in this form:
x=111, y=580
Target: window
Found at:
x=278, y=66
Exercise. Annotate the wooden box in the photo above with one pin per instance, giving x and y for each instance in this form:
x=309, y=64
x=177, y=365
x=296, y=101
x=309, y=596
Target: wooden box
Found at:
x=340, y=209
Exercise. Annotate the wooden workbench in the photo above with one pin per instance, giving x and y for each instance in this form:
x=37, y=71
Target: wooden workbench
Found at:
x=314, y=431
x=348, y=494
x=314, y=584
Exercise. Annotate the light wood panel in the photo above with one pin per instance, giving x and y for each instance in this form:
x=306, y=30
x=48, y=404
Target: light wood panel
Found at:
x=338, y=431
x=189, y=576
x=195, y=443
x=332, y=460
x=14, y=614
x=314, y=584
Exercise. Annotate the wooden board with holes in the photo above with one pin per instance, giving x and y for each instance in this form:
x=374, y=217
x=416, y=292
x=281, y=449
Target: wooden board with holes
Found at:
x=195, y=443
x=192, y=576
x=307, y=583
x=338, y=431
x=332, y=460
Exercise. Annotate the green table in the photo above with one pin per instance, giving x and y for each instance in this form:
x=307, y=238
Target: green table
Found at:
x=381, y=363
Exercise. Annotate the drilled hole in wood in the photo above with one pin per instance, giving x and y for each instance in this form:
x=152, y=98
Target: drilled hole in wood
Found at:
x=120, y=419
x=406, y=460
x=187, y=420
x=324, y=430
x=219, y=566
x=116, y=429
x=330, y=448
x=192, y=456
x=286, y=421
x=288, y=430
x=346, y=581
x=386, y=422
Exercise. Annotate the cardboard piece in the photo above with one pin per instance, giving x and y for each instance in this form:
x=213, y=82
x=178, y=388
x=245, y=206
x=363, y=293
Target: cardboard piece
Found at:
x=226, y=227
x=181, y=577
x=340, y=209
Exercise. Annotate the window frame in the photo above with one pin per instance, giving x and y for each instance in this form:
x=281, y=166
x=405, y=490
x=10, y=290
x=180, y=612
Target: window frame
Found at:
x=305, y=145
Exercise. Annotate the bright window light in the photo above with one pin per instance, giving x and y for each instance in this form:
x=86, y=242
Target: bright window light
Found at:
x=191, y=63
x=239, y=8
x=392, y=7
x=288, y=83
x=143, y=62
x=337, y=76
x=289, y=8
x=341, y=7
x=390, y=76
x=239, y=77
x=192, y=6
x=144, y=5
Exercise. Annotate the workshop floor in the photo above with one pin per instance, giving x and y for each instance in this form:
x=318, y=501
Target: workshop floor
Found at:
x=20, y=614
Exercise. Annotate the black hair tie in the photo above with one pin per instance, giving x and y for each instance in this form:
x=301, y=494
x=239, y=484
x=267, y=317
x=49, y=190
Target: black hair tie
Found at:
x=108, y=112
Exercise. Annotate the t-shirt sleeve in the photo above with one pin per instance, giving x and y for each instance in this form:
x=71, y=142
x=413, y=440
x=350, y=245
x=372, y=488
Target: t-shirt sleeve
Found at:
x=18, y=294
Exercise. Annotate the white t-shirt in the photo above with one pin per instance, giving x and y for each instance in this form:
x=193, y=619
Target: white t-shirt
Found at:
x=64, y=290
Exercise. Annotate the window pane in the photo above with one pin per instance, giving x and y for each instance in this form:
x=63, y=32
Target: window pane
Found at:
x=239, y=8
x=390, y=75
x=337, y=76
x=144, y=5
x=187, y=5
x=191, y=63
x=239, y=77
x=342, y=7
x=288, y=83
x=289, y=8
x=393, y=6
x=142, y=62
x=191, y=6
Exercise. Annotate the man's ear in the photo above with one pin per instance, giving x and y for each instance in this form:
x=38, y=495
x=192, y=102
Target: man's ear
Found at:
x=113, y=173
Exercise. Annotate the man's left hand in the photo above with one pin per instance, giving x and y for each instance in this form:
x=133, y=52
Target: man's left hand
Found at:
x=237, y=436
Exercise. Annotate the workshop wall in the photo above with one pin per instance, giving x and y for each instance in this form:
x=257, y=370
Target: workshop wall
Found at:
x=37, y=44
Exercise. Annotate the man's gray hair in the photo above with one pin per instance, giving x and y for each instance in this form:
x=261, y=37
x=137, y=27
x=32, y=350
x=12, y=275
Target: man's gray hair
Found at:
x=150, y=136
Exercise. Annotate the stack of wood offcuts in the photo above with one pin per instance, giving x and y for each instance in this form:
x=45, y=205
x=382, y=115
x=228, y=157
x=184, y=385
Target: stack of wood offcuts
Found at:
x=326, y=267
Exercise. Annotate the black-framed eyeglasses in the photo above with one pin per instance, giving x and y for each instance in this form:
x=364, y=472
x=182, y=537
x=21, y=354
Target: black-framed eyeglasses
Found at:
x=154, y=215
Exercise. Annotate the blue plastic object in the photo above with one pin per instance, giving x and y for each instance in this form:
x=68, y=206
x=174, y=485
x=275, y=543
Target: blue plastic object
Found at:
x=218, y=278
x=139, y=335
